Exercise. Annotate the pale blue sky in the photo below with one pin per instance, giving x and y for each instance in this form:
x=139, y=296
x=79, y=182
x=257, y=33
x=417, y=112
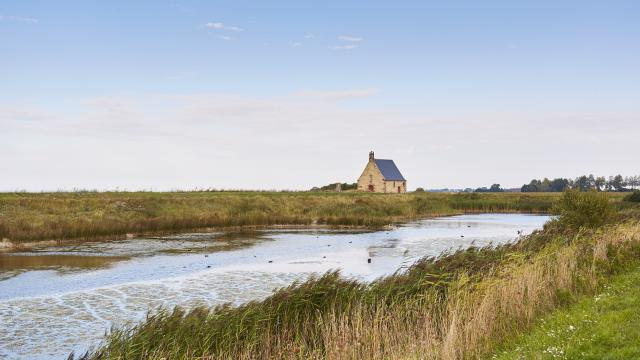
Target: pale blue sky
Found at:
x=249, y=94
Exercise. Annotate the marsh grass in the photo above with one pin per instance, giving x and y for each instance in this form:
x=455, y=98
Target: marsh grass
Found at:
x=602, y=326
x=85, y=215
x=458, y=306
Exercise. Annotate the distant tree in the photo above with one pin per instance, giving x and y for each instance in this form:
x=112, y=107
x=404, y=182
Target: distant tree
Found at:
x=419, y=189
x=532, y=186
x=600, y=183
x=632, y=181
x=495, y=188
x=616, y=183
x=545, y=185
x=559, y=185
x=582, y=183
x=592, y=182
x=334, y=187
x=353, y=186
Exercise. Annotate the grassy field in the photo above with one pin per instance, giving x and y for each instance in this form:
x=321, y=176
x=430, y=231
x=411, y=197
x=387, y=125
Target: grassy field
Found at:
x=79, y=215
x=462, y=305
x=603, y=326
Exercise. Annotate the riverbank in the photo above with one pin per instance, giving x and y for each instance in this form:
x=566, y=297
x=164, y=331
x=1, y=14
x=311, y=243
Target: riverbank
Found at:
x=461, y=305
x=26, y=217
x=100, y=284
x=601, y=326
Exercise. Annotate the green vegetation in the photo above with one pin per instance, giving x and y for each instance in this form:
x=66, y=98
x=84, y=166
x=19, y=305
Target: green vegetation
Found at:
x=584, y=209
x=584, y=183
x=334, y=187
x=633, y=197
x=546, y=185
x=461, y=305
x=603, y=326
x=46, y=216
x=493, y=188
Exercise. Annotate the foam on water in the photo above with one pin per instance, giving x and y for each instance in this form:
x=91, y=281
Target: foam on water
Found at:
x=47, y=313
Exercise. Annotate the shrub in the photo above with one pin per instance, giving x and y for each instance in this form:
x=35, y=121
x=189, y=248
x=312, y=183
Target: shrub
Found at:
x=633, y=197
x=588, y=209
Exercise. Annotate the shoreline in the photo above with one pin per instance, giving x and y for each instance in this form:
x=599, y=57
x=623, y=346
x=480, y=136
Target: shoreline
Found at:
x=8, y=246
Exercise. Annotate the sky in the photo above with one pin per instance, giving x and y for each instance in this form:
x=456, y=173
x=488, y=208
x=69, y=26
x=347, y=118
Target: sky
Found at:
x=163, y=95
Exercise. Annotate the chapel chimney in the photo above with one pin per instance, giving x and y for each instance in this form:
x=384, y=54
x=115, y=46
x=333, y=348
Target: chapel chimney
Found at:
x=371, y=157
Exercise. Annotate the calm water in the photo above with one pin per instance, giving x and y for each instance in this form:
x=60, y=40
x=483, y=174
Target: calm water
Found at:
x=55, y=300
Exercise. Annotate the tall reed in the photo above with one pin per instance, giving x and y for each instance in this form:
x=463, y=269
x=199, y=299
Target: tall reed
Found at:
x=457, y=306
x=83, y=215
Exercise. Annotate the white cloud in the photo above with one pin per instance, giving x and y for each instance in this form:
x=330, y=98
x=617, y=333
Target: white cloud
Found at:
x=19, y=19
x=295, y=44
x=309, y=138
x=343, y=47
x=215, y=25
x=309, y=36
x=226, y=38
x=221, y=26
x=20, y=114
x=350, y=38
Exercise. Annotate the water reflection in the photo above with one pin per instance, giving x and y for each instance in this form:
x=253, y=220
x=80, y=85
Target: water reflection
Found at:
x=24, y=262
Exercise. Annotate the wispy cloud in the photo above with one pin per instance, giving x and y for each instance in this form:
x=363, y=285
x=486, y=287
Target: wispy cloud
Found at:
x=19, y=19
x=336, y=95
x=343, y=47
x=350, y=38
x=295, y=44
x=18, y=113
x=309, y=36
x=226, y=38
x=221, y=26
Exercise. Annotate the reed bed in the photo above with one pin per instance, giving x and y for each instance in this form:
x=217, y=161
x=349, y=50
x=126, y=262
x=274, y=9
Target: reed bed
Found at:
x=458, y=306
x=86, y=215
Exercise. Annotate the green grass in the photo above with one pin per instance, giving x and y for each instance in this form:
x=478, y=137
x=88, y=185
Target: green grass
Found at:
x=80, y=215
x=603, y=326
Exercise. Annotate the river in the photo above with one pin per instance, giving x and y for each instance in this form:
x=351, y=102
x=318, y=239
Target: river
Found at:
x=54, y=300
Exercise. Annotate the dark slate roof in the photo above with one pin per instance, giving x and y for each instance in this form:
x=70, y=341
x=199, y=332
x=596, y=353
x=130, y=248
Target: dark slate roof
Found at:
x=389, y=170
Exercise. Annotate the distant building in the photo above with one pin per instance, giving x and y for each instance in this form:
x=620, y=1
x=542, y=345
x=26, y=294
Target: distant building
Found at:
x=381, y=176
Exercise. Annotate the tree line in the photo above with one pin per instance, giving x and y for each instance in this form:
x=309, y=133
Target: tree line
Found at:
x=584, y=183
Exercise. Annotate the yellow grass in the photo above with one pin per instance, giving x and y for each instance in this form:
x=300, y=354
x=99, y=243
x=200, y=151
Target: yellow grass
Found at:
x=83, y=215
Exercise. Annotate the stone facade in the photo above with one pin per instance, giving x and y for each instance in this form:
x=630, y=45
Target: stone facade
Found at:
x=373, y=179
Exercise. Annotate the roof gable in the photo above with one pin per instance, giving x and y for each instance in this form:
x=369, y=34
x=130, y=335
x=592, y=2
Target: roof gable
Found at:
x=389, y=170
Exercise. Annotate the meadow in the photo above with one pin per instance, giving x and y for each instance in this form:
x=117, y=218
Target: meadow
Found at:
x=465, y=304
x=87, y=215
x=599, y=326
